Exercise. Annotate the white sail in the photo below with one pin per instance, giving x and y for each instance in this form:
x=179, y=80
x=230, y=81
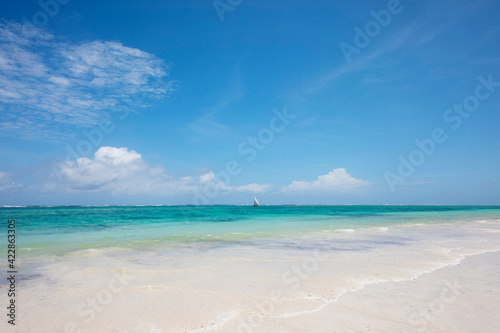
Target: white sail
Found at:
x=255, y=202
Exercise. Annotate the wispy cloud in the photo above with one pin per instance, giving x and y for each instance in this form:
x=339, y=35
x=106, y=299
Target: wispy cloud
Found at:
x=412, y=35
x=254, y=188
x=416, y=183
x=49, y=85
x=361, y=63
x=207, y=125
x=6, y=181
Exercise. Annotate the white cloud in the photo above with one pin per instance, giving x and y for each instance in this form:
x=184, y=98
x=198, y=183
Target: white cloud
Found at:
x=47, y=82
x=121, y=171
x=209, y=179
x=254, y=188
x=337, y=180
x=118, y=171
x=6, y=181
x=206, y=125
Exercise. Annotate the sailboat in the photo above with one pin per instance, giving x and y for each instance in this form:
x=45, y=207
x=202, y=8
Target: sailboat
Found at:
x=255, y=202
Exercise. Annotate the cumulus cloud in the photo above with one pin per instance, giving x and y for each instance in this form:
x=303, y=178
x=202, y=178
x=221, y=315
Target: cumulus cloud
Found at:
x=337, y=180
x=46, y=82
x=118, y=171
x=121, y=171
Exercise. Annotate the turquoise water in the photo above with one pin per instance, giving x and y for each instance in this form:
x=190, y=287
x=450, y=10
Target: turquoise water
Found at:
x=62, y=229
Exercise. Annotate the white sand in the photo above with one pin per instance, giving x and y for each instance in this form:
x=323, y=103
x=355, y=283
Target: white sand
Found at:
x=406, y=279
x=462, y=298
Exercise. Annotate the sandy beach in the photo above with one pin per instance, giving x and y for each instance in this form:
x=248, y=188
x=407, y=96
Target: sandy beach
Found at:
x=417, y=277
x=459, y=298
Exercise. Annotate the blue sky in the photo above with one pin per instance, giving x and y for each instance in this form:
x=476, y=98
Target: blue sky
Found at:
x=182, y=102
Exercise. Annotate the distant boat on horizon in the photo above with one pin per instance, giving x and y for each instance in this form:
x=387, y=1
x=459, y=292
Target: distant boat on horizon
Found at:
x=255, y=202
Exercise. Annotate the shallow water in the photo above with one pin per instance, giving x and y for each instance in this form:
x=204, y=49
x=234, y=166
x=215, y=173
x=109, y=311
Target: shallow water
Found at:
x=62, y=229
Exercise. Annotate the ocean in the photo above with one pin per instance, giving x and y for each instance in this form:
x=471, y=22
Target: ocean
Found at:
x=60, y=230
x=203, y=268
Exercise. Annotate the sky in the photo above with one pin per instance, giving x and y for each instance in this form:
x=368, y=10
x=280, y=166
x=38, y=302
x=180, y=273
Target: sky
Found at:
x=215, y=102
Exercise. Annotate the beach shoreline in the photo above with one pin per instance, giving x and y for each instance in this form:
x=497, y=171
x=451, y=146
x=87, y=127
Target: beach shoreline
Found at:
x=462, y=297
x=459, y=297
x=392, y=276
